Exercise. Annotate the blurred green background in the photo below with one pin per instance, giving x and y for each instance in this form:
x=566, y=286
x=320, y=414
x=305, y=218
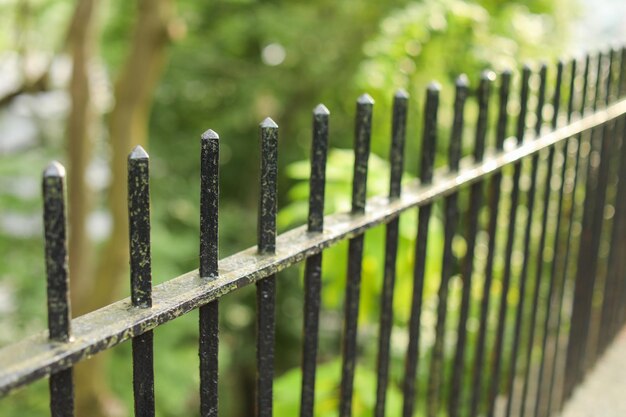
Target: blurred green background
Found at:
x=83, y=81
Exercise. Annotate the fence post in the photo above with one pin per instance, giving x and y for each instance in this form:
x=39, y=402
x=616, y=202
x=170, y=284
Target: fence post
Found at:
x=58, y=283
x=141, y=277
x=429, y=140
x=209, y=254
x=396, y=160
x=313, y=264
x=266, y=288
x=363, y=127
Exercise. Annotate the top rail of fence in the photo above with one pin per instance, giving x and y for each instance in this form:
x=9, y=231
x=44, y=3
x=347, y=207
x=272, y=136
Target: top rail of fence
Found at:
x=36, y=357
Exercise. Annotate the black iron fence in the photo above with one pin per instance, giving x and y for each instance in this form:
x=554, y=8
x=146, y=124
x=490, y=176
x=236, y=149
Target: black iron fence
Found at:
x=560, y=184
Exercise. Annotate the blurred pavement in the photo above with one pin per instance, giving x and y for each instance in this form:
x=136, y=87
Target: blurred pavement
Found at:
x=603, y=393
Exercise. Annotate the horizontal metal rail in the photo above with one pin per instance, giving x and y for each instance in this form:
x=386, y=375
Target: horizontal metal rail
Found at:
x=36, y=357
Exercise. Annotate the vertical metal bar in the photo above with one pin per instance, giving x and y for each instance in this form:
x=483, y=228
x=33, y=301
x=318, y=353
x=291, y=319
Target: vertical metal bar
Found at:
x=451, y=226
x=429, y=139
x=618, y=247
x=209, y=254
x=620, y=311
x=363, y=128
x=396, y=158
x=141, y=277
x=58, y=286
x=476, y=194
x=588, y=252
x=506, y=278
x=313, y=265
x=571, y=221
x=540, y=261
x=618, y=242
x=527, y=237
x=494, y=202
x=608, y=149
x=558, y=242
x=611, y=281
x=266, y=288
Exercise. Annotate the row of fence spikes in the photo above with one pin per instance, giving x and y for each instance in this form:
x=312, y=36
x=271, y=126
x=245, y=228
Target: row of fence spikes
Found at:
x=59, y=322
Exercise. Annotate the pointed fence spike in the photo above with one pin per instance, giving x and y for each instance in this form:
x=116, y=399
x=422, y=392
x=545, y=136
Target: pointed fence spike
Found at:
x=321, y=110
x=462, y=81
x=317, y=179
x=54, y=169
x=55, y=231
x=401, y=94
x=210, y=134
x=488, y=75
x=398, y=139
x=362, y=135
x=139, y=227
x=268, y=123
x=434, y=86
x=209, y=203
x=365, y=99
x=138, y=152
x=141, y=277
x=58, y=284
x=209, y=254
x=266, y=289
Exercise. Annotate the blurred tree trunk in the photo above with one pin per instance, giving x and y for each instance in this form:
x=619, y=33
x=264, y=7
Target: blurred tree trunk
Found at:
x=128, y=126
x=80, y=129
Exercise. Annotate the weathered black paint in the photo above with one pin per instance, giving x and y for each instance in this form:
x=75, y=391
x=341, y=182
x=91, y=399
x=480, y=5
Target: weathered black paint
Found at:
x=396, y=161
x=313, y=267
x=556, y=105
x=595, y=192
x=523, y=278
x=143, y=374
x=363, y=125
x=209, y=203
x=266, y=288
x=494, y=206
x=506, y=277
x=141, y=277
x=429, y=140
x=58, y=284
x=209, y=254
x=449, y=263
x=579, y=181
x=105, y=328
x=139, y=228
x=571, y=218
x=452, y=218
x=467, y=268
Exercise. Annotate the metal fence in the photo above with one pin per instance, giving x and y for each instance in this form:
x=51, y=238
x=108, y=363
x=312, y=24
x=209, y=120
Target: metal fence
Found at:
x=560, y=184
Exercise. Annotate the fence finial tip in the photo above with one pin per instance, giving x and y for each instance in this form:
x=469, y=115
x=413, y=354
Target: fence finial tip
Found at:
x=365, y=99
x=402, y=94
x=54, y=169
x=488, y=75
x=138, y=153
x=434, y=87
x=269, y=123
x=321, y=110
x=210, y=134
x=462, y=81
